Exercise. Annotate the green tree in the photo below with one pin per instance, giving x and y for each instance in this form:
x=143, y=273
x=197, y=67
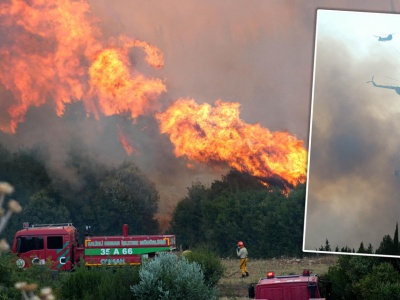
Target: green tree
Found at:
x=80, y=188
x=396, y=250
x=106, y=197
x=44, y=208
x=349, y=270
x=361, y=249
x=239, y=208
x=127, y=196
x=327, y=246
x=186, y=221
x=26, y=172
x=386, y=246
x=370, y=249
x=383, y=282
x=345, y=249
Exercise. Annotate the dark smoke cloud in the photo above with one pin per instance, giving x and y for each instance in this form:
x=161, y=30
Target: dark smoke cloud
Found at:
x=58, y=137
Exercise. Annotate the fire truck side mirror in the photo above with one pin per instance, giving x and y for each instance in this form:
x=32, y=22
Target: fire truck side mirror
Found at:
x=88, y=228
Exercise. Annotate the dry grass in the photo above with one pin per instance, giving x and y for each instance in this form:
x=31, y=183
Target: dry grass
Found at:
x=231, y=286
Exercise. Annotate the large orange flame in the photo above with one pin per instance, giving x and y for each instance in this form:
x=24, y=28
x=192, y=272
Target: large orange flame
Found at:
x=52, y=51
x=154, y=57
x=117, y=89
x=217, y=135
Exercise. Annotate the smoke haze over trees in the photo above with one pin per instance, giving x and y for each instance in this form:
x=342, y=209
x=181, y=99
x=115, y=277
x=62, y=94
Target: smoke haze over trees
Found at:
x=105, y=197
x=388, y=247
x=236, y=207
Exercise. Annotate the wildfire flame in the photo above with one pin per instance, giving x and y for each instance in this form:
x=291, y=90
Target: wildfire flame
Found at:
x=117, y=90
x=217, y=135
x=129, y=149
x=154, y=56
x=52, y=51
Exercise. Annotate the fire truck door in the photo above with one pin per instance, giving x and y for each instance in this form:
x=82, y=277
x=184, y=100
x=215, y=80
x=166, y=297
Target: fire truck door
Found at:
x=30, y=250
x=58, y=251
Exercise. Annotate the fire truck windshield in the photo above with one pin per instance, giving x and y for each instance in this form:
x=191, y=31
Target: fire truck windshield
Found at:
x=29, y=243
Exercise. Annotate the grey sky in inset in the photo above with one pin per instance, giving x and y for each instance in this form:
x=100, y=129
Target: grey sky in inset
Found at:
x=353, y=194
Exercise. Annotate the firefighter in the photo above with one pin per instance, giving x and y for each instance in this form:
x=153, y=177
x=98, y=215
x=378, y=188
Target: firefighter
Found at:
x=242, y=254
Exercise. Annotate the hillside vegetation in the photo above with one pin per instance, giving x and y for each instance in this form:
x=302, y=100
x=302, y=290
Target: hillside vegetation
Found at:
x=210, y=218
x=236, y=207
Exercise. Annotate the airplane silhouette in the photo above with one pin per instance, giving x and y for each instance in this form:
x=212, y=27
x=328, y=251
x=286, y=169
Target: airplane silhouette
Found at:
x=384, y=39
x=392, y=87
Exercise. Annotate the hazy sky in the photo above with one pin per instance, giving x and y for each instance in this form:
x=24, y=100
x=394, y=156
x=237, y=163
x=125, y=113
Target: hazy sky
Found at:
x=353, y=193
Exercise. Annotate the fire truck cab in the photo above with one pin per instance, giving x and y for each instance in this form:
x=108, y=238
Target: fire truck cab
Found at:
x=288, y=287
x=54, y=242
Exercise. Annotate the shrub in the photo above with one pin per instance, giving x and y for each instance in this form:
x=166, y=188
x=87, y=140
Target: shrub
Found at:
x=210, y=264
x=10, y=274
x=382, y=283
x=7, y=290
x=358, y=277
x=168, y=277
x=99, y=283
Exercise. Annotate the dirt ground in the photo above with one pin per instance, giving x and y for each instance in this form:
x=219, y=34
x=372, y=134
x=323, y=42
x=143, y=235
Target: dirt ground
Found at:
x=231, y=286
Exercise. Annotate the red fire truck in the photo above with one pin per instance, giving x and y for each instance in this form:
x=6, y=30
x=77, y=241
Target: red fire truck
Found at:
x=58, y=243
x=287, y=287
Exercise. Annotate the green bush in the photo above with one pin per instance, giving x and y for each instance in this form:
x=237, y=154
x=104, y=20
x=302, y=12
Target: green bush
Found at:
x=170, y=277
x=382, y=283
x=10, y=274
x=362, y=277
x=210, y=264
x=7, y=271
x=341, y=285
x=99, y=283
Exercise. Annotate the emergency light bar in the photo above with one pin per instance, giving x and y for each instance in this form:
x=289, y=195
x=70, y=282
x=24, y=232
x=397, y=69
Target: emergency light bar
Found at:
x=270, y=275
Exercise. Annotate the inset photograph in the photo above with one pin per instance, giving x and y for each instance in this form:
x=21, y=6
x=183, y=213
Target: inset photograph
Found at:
x=353, y=186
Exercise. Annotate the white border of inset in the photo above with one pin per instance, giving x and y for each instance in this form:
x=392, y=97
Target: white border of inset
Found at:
x=310, y=137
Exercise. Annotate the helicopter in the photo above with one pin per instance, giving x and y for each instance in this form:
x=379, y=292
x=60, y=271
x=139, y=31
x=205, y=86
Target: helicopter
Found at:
x=384, y=38
x=392, y=87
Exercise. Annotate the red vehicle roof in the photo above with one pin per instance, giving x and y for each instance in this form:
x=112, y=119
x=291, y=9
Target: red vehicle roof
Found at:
x=54, y=230
x=289, y=278
x=290, y=287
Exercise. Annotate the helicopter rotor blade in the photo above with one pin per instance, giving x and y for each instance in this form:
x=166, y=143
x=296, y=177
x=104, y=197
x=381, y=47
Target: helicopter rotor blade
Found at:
x=392, y=78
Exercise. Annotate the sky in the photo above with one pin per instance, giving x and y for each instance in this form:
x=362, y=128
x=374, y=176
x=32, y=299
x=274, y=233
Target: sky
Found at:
x=259, y=54
x=352, y=189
